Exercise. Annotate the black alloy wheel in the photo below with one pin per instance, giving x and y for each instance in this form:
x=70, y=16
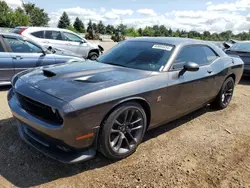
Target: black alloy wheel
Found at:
x=225, y=95
x=123, y=131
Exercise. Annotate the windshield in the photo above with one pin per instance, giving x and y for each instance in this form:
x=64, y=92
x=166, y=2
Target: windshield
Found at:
x=241, y=46
x=138, y=55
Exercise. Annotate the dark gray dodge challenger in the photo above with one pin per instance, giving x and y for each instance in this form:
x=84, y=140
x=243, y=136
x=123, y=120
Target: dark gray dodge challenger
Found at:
x=71, y=111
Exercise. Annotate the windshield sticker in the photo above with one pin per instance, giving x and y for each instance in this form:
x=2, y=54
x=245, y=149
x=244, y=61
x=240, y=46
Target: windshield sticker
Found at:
x=162, y=47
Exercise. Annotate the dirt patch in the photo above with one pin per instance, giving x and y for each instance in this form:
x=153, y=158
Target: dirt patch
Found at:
x=204, y=149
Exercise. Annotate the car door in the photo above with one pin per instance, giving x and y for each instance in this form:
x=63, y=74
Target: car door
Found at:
x=26, y=54
x=76, y=44
x=6, y=63
x=187, y=90
x=54, y=39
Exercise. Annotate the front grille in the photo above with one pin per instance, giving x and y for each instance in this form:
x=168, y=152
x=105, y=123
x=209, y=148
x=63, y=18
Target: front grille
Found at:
x=39, y=110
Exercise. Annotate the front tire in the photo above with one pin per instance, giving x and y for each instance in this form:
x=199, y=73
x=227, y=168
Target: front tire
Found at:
x=225, y=95
x=93, y=55
x=123, y=131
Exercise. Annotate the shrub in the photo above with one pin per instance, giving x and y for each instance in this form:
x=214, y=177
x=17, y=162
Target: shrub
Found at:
x=90, y=37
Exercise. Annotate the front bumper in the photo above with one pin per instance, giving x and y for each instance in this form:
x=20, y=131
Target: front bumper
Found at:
x=58, y=152
x=57, y=142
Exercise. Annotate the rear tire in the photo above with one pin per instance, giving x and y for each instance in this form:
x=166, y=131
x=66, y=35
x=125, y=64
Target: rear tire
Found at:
x=93, y=55
x=225, y=95
x=123, y=131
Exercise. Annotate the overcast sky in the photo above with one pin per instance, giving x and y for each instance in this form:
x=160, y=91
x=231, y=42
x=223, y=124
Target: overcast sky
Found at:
x=199, y=15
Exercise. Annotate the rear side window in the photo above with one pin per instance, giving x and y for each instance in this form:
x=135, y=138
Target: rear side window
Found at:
x=211, y=56
x=38, y=34
x=71, y=37
x=54, y=35
x=198, y=54
x=20, y=46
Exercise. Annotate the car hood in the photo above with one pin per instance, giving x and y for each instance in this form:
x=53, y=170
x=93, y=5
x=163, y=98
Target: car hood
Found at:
x=72, y=80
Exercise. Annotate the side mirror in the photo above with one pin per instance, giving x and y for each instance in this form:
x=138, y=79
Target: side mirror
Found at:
x=191, y=66
x=82, y=41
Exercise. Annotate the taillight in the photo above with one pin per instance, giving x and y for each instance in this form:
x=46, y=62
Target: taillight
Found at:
x=21, y=31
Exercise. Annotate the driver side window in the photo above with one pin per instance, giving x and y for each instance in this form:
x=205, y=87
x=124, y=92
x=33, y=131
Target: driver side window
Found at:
x=196, y=54
x=21, y=46
x=71, y=37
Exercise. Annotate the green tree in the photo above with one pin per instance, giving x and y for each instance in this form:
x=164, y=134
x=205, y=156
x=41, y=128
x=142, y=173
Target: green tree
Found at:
x=71, y=28
x=157, y=32
x=10, y=18
x=170, y=32
x=163, y=30
x=110, y=30
x=64, y=21
x=37, y=16
x=19, y=18
x=101, y=27
x=5, y=14
x=90, y=29
x=95, y=28
x=148, y=31
x=79, y=26
x=140, y=31
x=206, y=35
x=122, y=28
x=131, y=32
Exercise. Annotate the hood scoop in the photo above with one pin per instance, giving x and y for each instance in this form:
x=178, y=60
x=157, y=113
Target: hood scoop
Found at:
x=48, y=73
x=91, y=79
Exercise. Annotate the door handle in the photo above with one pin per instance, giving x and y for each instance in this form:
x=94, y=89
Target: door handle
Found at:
x=209, y=71
x=18, y=57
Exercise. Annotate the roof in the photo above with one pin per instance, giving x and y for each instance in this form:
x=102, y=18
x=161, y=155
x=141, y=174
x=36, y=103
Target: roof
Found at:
x=169, y=40
x=43, y=28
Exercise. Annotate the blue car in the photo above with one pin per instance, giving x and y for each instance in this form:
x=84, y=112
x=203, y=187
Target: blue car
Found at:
x=18, y=53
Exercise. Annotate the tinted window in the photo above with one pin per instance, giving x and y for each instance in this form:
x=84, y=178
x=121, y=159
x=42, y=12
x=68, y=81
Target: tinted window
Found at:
x=197, y=54
x=241, y=47
x=71, y=37
x=211, y=56
x=38, y=34
x=138, y=55
x=54, y=35
x=20, y=46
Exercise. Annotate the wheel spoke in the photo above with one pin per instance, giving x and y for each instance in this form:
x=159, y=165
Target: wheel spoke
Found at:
x=127, y=142
x=131, y=115
x=136, y=121
x=114, y=142
x=115, y=131
x=136, y=128
x=131, y=136
x=119, y=144
x=118, y=123
x=125, y=116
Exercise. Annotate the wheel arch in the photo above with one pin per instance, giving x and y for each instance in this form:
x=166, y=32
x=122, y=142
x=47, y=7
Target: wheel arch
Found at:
x=231, y=75
x=143, y=102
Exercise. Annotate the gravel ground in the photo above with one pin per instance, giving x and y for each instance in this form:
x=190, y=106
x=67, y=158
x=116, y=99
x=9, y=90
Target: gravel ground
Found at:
x=204, y=149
